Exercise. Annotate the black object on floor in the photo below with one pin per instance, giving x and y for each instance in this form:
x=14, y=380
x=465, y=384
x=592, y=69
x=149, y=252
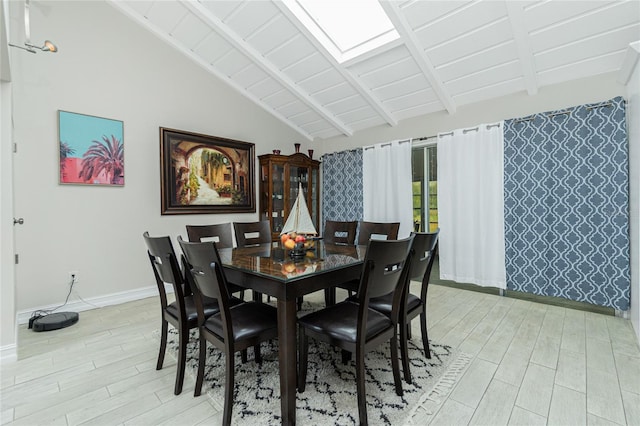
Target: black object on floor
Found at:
x=55, y=321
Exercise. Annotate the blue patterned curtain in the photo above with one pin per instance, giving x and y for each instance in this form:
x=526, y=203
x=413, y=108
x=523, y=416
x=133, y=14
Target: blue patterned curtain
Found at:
x=342, y=186
x=566, y=199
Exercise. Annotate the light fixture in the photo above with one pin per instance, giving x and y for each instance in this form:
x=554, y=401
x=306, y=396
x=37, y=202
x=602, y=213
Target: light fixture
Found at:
x=48, y=45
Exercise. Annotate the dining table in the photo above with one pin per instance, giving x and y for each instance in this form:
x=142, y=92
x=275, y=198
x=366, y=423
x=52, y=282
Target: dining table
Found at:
x=271, y=269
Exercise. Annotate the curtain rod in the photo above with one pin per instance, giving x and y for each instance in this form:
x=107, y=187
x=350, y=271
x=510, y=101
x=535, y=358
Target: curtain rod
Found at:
x=553, y=114
x=385, y=144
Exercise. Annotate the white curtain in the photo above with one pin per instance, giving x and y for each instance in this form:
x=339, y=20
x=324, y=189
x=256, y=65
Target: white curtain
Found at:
x=386, y=184
x=471, y=205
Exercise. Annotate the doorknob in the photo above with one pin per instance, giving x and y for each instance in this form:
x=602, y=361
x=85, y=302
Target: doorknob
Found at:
x=18, y=221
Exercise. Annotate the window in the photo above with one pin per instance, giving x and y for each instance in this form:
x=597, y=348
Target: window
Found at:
x=424, y=165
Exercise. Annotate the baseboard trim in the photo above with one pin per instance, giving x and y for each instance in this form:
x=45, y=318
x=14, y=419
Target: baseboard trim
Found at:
x=8, y=353
x=95, y=302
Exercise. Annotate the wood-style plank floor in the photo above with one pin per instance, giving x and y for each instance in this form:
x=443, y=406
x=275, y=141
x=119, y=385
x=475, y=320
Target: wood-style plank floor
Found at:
x=532, y=364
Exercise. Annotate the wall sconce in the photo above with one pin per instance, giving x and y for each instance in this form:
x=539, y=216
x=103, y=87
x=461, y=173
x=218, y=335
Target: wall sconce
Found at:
x=48, y=45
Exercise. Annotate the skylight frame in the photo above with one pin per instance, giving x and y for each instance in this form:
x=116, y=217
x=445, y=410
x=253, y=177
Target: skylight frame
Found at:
x=327, y=41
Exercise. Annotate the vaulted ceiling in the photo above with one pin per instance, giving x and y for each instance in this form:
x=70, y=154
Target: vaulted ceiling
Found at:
x=450, y=53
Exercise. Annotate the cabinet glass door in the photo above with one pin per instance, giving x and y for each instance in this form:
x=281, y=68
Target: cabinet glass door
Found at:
x=277, y=198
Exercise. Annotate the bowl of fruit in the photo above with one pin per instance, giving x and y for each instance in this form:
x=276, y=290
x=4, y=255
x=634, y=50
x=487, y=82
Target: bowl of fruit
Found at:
x=297, y=244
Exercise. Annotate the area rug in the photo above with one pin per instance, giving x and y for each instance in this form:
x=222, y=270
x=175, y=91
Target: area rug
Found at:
x=330, y=396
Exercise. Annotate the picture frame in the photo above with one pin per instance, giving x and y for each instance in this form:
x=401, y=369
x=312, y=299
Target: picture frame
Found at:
x=91, y=150
x=202, y=174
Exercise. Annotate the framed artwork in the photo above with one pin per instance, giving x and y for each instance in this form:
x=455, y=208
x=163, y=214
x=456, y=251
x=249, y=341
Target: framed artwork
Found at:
x=91, y=149
x=205, y=174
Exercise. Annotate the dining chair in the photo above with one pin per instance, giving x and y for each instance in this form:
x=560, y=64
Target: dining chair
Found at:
x=252, y=233
x=235, y=327
x=377, y=230
x=180, y=313
x=367, y=230
x=336, y=232
x=423, y=253
x=221, y=234
x=353, y=326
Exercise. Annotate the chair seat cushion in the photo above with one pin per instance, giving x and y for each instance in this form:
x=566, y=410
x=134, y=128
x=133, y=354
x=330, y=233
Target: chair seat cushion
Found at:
x=210, y=308
x=383, y=304
x=340, y=322
x=248, y=320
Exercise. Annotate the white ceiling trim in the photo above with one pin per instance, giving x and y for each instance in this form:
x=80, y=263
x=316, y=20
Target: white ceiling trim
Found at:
x=223, y=30
x=418, y=53
x=122, y=7
x=355, y=82
x=630, y=61
x=516, y=18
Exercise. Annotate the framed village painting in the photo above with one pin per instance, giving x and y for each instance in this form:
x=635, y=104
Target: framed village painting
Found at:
x=91, y=149
x=205, y=174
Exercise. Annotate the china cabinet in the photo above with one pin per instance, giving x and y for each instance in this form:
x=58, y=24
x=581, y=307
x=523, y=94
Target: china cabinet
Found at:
x=279, y=179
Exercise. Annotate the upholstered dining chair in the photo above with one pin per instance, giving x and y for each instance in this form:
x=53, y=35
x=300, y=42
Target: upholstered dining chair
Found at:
x=353, y=326
x=221, y=234
x=423, y=253
x=235, y=327
x=252, y=233
x=181, y=313
x=336, y=232
x=366, y=230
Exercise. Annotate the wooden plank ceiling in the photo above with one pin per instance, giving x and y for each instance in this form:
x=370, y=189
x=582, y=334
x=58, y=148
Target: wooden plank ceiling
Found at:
x=449, y=54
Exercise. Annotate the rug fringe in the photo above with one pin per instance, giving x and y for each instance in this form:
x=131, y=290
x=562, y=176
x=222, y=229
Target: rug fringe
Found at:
x=439, y=391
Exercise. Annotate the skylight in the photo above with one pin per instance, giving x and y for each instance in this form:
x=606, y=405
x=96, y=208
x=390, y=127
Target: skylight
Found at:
x=345, y=28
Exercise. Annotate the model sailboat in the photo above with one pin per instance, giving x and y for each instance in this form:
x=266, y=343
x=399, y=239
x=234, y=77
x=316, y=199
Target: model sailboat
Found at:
x=299, y=220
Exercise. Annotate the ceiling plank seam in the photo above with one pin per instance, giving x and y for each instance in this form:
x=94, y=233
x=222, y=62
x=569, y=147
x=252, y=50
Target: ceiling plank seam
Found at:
x=127, y=11
x=525, y=54
x=223, y=30
x=418, y=53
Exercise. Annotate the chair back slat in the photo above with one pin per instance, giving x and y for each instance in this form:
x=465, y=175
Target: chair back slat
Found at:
x=165, y=268
x=336, y=232
x=252, y=233
x=367, y=230
x=220, y=233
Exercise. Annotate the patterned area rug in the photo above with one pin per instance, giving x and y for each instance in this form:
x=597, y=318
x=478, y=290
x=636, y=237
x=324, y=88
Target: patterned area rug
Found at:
x=330, y=394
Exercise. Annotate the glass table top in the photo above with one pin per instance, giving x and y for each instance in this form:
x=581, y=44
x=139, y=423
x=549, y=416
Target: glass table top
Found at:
x=273, y=261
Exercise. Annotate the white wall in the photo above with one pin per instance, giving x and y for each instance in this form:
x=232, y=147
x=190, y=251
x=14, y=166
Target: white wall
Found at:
x=8, y=347
x=108, y=66
x=633, y=123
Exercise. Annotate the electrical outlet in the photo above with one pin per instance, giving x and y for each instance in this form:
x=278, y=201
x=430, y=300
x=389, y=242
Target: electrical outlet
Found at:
x=73, y=277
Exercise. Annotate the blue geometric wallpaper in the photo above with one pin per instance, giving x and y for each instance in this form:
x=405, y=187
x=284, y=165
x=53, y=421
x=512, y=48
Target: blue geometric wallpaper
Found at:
x=566, y=195
x=342, y=186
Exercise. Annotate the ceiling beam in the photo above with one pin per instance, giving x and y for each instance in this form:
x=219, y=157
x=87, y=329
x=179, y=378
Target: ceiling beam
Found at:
x=413, y=44
x=135, y=16
x=521, y=36
x=245, y=48
x=355, y=81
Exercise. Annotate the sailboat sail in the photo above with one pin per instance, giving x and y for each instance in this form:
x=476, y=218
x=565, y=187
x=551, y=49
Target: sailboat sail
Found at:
x=299, y=220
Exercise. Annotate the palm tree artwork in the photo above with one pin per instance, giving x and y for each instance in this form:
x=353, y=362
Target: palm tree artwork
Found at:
x=105, y=156
x=65, y=151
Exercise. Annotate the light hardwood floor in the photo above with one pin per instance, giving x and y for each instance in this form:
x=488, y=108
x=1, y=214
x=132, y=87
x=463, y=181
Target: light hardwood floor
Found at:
x=532, y=364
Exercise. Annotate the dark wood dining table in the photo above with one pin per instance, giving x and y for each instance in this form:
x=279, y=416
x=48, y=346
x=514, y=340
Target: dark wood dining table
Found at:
x=269, y=269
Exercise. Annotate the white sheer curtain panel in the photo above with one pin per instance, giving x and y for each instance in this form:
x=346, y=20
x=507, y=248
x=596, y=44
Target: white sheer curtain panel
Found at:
x=386, y=172
x=471, y=205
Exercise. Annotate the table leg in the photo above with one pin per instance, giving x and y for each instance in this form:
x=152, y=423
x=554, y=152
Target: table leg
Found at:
x=287, y=349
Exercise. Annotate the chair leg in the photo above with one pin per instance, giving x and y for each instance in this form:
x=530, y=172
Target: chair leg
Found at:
x=425, y=338
x=202, y=359
x=303, y=348
x=256, y=354
x=395, y=365
x=228, y=389
x=183, y=339
x=163, y=344
x=404, y=352
x=299, y=300
x=243, y=355
x=346, y=357
x=409, y=331
x=360, y=388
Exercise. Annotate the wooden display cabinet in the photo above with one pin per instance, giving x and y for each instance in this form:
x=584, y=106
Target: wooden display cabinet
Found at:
x=279, y=177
